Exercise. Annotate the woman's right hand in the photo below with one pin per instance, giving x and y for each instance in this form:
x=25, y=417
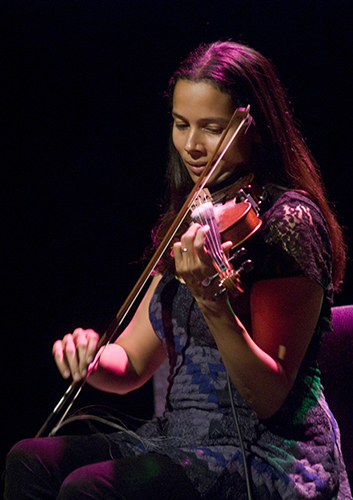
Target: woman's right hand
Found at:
x=75, y=352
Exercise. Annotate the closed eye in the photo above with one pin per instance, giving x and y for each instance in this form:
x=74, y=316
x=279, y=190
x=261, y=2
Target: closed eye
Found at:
x=181, y=126
x=214, y=130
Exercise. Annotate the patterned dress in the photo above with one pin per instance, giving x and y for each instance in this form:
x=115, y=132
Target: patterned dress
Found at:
x=295, y=454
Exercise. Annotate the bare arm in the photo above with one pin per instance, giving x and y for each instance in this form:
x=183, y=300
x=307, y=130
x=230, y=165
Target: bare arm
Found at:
x=263, y=366
x=123, y=366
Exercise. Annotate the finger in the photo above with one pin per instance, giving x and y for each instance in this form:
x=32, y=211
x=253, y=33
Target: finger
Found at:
x=79, y=337
x=71, y=356
x=186, y=243
x=178, y=251
x=180, y=260
x=88, y=351
x=199, y=245
x=92, y=367
x=200, y=237
x=226, y=246
x=58, y=353
x=188, y=237
x=93, y=339
x=86, y=345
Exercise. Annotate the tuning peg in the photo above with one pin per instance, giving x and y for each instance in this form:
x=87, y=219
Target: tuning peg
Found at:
x=246, y=266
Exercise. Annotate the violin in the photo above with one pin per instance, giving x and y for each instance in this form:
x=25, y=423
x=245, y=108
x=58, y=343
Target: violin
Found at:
x=234, y=219
x=232, y=214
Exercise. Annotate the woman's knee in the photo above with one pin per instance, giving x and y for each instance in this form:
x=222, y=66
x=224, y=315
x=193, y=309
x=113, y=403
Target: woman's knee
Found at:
x=34, y=454
x=21, y=455
x=92, y=481
x=24, y=471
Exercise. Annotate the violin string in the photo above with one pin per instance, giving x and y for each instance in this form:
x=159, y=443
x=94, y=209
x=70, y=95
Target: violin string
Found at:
x=214, y=237
x=206, y=216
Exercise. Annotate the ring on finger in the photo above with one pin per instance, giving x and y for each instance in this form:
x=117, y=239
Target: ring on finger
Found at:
x=184, y=249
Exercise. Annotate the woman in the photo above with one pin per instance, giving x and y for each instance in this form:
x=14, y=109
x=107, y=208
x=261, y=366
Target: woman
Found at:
x=257, y=351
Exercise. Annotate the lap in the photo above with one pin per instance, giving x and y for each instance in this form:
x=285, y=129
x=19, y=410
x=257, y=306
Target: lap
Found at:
x=147, y=477
x=82, y=467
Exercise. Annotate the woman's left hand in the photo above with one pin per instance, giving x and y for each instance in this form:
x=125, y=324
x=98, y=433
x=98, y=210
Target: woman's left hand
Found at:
x=194, y=264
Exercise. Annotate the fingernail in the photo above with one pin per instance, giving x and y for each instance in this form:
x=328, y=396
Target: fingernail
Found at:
x=66, y=374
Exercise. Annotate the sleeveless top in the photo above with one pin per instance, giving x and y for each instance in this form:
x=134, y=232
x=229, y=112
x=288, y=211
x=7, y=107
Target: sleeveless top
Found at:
x=295, y=454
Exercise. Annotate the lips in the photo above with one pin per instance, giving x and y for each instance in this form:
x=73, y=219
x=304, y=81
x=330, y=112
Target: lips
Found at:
x=196, y=168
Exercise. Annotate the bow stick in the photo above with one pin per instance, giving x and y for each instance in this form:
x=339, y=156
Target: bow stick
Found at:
x=65, y=403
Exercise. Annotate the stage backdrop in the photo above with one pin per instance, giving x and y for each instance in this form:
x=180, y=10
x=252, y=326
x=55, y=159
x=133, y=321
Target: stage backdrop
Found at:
x=85, y=128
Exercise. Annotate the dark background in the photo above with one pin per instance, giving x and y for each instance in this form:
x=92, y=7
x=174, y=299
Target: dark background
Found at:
x=84, y=129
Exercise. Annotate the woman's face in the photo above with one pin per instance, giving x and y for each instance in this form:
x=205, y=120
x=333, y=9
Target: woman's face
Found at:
x=201, y=113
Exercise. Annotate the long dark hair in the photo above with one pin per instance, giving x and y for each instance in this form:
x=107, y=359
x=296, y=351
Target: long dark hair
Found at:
x=282, y=157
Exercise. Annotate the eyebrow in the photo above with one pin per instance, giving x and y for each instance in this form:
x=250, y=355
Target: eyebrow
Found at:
x=205, y=119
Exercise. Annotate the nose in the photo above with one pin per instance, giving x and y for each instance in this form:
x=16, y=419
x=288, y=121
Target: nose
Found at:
x=194, y=143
